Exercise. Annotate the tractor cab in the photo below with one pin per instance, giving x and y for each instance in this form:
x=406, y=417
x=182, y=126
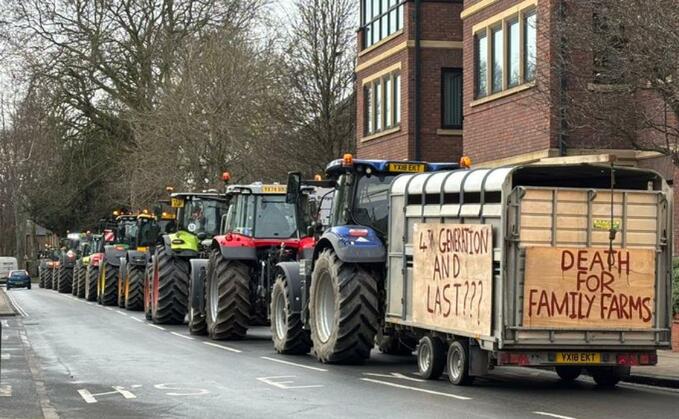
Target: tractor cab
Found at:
x=198, y=218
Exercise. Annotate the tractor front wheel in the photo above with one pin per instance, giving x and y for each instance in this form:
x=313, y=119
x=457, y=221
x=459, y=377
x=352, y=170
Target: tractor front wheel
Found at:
x=108, y=284
x=287, y=331
x=65, y=281
x=91, y=280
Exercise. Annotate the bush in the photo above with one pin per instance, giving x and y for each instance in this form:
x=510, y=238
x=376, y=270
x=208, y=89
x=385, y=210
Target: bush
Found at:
x=675, y=286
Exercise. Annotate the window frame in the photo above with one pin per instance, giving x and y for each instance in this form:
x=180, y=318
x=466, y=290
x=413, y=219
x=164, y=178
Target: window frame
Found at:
x=459, y=71
x=370, y=114
x=487, y=32
x=375, y=21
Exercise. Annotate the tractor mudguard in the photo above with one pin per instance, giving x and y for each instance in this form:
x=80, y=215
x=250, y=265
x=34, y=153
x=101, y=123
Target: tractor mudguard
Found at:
x=238, y=247
x=291, y=272
x=367, y=248
x=112, y=255
x=187, y=249
x=137, y=258
x=123, y=268
x=198, y=283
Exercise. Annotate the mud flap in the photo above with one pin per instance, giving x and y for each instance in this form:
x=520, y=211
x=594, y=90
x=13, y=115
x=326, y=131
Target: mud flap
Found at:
x=198, y=281
x=478, y=360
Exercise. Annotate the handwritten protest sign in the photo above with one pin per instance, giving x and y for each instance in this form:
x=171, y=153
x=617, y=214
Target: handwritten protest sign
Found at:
x=589, y=288
x=452, y=283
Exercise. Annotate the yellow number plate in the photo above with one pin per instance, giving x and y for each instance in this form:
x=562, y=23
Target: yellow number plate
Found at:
x=177, y=203
x=406, y=167
x=578, y=358
x=274, y=188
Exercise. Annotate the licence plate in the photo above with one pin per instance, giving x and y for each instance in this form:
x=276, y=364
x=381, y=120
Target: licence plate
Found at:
x=406, y=167
x=177, y=203
x=578, y=358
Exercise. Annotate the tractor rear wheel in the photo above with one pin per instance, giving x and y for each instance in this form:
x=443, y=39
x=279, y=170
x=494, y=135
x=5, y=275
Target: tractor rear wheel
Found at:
x=108, y=284
x=148, y=295
x=41, y=277
x=343, y=310
x=170, y=288
x=122, y=284
x=287, y=331
x=228, y=298
x=82, y=274
x=197, y=320
x=76, y=275
x=55, y=279
x=134, y=297
x=91, y=279
x=65, y=281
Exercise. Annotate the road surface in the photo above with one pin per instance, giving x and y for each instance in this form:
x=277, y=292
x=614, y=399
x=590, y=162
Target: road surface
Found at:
x=71, y=359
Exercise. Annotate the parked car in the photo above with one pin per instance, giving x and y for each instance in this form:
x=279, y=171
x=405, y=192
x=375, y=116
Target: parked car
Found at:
x=19, y=279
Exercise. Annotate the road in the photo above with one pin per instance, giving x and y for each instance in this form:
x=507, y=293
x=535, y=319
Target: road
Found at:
x=71, y=359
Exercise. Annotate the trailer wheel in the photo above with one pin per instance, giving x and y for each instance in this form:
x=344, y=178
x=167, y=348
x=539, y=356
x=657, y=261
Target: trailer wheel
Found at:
x=568, y=373
x=134, y=288
x=287, y=331
x=343, y=310
x=228, y=298
x=91, y=277
x=65, y=281
x=148, y=275
x=458, y=363
x=608, y=377
x=431, y=357
x=76, y=276
x=170, y=288
x=108, y=284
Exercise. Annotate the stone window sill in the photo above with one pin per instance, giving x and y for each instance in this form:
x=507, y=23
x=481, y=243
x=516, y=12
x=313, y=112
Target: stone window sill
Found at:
x=449, y=132
x=381, y=134
x=502, y=94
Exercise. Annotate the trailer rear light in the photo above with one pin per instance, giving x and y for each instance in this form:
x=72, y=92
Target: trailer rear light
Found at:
x=510, y=358
x=627, y=359
x=358, y=232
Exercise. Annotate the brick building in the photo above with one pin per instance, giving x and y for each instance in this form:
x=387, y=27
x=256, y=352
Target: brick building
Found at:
x=439, y=78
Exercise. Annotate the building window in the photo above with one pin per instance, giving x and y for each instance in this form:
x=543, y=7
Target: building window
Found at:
x=451, y=98
x=505, y=53
x=382, y=103
x=380, y=18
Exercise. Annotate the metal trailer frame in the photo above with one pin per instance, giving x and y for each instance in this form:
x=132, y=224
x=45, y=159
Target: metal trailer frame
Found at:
x=492, y=196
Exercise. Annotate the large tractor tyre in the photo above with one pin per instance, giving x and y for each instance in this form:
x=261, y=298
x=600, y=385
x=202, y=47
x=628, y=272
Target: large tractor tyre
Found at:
x=287, y=331
x=65, y=282
x=197, y=320
x=108, y=285
x=91, y=279
x=343, y=310
x=82, y=277
x=55, y=279
x=122, y=284
x=76, y=275
x=228, y=298
x=41, y=278
x=148, y=295
x=170, y=289
x=134, y=289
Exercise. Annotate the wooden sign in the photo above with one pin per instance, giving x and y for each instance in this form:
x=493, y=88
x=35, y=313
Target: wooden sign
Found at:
x=452, y=281
x=589, y=288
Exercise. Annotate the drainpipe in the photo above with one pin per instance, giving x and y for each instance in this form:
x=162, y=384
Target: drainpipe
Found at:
x=418, y=81
x=563, y=124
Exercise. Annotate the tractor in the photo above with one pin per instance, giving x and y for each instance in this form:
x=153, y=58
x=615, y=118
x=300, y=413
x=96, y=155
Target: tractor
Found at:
x=91, y=247
x=95, y=259
x=335, y=292
x=109, y=267
x=133, y=263
x=198, y=219
x=67, y=261
x=82, y=253
x=260, y=231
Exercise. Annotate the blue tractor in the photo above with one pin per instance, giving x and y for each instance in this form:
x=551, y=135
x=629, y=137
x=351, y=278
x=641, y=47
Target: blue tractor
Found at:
x=335, y=299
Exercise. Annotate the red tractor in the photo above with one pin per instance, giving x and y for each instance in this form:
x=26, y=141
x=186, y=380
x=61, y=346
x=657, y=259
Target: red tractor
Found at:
x=259, y=231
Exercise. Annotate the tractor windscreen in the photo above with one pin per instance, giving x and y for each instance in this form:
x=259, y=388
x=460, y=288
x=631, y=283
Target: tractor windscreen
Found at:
x=274, y=218
x=202, y=215
x=127, y=232
x=371, y=202
x=147, y=233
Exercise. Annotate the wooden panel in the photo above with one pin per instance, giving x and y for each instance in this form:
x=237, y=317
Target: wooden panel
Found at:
x=452, y=277
x=569, y=208
x=569, y=221
x=536, y=207
x=572, y=196
x=536, y=221
x=576, y=288
x=642, y=239
x=541, y=236
x=642, y=224
x=538, y=195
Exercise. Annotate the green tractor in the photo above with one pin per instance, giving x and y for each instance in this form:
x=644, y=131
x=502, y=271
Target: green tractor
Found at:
x=198, y=219
x=109, y=267
x=133, y=264
x=93, y=244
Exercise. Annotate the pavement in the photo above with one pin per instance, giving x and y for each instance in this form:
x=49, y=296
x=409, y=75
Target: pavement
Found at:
x=6, y=308
x=64, y=357
x=665, y=373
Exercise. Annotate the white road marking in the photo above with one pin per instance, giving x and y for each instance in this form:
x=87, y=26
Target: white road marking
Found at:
x=108, y=308
x=89, y=302
x=223, y=347
x=553, y=415
x=182, y=336
x=187, y=391
x=16, y=305
x=89, y=397
x=293, y=364
x=5, y=390
x=421, y=390
x=5, y=357
x=157, y=327
x=395, y=375
x=121, y=312
x=284, y=384
x=136, y=319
